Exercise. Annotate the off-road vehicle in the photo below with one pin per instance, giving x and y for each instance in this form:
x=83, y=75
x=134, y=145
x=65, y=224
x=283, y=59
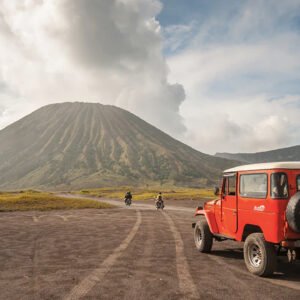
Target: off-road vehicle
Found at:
x=258, y=204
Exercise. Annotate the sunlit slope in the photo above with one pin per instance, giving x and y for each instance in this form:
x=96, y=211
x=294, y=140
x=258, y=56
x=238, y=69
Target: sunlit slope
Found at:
x=283, y=154
x=75, y=145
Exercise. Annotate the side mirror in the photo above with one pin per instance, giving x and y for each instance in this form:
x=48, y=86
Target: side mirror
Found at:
x=216, y=191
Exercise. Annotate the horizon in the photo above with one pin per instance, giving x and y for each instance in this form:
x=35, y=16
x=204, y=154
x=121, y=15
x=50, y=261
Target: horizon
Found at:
x=217, y=77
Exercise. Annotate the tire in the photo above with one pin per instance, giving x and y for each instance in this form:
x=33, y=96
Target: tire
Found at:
x=259, y=255
x=293, y=213
x=202, y=236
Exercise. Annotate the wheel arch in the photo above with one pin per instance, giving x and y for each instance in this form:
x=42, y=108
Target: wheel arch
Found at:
x=249, y=229
x=210, y=218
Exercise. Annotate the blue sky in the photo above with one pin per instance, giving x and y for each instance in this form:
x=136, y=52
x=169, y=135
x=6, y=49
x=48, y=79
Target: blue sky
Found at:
x=221, y=76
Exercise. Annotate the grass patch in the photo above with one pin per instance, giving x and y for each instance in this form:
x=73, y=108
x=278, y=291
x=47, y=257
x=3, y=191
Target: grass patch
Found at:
x=151, y=193
x=34, y=200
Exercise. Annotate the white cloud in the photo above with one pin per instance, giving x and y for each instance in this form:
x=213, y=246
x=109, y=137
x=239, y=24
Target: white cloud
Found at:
x=245, y=125
x=177, y=36
x=96, y=51
x=239, y=67
x=231, y=76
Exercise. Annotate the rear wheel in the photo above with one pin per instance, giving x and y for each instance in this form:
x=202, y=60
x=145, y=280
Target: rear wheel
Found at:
x=259, y=255
x=202, y=236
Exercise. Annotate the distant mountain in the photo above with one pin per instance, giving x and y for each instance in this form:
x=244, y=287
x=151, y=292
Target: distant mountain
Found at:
x=284, y=154
x=77, y=145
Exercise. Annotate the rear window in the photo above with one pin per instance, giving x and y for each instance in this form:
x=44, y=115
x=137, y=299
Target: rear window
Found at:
x=254, y=185
x=279, y=185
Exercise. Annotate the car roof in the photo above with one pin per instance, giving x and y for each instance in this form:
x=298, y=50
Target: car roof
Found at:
x=266, y=166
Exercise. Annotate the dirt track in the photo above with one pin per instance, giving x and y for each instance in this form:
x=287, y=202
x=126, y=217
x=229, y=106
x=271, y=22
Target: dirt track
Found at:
x=132, y=253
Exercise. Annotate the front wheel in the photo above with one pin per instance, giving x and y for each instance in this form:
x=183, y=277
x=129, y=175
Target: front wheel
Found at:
x=203, y=237
x=259, y=255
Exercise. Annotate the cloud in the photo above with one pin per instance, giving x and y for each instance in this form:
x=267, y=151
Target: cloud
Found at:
x=229, y=81
x=96, y=51
x=234, y=128
x=176, y=37
x=241, y=73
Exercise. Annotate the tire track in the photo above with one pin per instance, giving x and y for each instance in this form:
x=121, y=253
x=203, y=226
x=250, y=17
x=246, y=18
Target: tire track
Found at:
x=147, y=269
x=186, y=283
x=230, y=272
x=239, y=276
x=135, y=289
x=35, y=276
x=98, y=274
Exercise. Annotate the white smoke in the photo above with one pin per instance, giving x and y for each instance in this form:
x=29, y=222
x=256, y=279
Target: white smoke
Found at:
x=78, y=50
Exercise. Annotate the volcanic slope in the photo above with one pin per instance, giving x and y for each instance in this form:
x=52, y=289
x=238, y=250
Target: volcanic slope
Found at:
x=284, y=154
x=77, y=145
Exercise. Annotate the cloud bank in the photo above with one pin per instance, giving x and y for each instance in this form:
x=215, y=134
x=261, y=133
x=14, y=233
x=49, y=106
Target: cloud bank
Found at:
x=219, y=76
x=241, y=73
x=95, y=51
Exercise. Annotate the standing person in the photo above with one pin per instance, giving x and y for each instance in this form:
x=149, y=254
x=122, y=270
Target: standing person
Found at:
x=128, y=198
x=159, y=201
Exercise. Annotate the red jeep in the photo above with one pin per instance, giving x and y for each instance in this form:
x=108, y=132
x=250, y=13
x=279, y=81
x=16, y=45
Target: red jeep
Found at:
x=260, y=205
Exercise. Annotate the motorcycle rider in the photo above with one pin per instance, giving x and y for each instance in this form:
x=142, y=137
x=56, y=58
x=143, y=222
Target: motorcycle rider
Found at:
x=159, y=198
x=128, y=196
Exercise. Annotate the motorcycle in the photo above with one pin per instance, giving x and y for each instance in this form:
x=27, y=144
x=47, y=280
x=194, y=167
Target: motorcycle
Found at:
x=159, y=205
x=127, y=201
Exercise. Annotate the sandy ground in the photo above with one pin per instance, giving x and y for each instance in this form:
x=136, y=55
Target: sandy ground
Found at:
x=126, y=253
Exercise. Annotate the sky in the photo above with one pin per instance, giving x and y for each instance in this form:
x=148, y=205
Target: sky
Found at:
x=221, y=76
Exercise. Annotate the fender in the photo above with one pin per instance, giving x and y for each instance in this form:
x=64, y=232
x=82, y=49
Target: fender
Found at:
x=210, y=217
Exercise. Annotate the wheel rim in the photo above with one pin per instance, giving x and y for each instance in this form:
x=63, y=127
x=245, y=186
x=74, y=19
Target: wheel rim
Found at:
x=255, y=255
x=198, y=237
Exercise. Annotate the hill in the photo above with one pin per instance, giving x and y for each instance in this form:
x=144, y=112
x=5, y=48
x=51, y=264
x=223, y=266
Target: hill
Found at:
x=81, y=145
x=284, y=154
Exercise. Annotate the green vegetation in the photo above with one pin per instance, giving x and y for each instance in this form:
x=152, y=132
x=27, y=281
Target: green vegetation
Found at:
x=150, y=193
x=34, y=200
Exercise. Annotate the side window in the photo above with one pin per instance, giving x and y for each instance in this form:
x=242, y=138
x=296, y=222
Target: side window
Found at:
x=298, y=183
x=232, y=185
x=254, y=185
x=229, y=185
x=279, y=185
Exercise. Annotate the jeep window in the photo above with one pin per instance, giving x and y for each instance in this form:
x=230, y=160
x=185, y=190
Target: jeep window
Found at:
x=298, y=183
x=279, y=185
x=230, y=184
x=254, y=185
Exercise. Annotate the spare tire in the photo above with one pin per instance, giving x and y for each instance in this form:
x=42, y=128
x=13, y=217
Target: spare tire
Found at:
x=293, y=213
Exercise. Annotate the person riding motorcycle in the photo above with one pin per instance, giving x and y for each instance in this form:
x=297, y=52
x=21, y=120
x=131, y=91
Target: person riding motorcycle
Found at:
x=159, y=200
x=128, y=196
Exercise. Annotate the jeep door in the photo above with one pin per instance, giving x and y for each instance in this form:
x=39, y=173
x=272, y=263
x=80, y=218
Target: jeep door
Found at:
x=229, y=203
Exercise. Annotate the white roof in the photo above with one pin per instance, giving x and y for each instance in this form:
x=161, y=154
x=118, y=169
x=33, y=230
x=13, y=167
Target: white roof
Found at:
x=266, y=166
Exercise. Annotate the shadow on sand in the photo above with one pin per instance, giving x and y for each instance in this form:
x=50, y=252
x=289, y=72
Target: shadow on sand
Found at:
x=285, y=270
